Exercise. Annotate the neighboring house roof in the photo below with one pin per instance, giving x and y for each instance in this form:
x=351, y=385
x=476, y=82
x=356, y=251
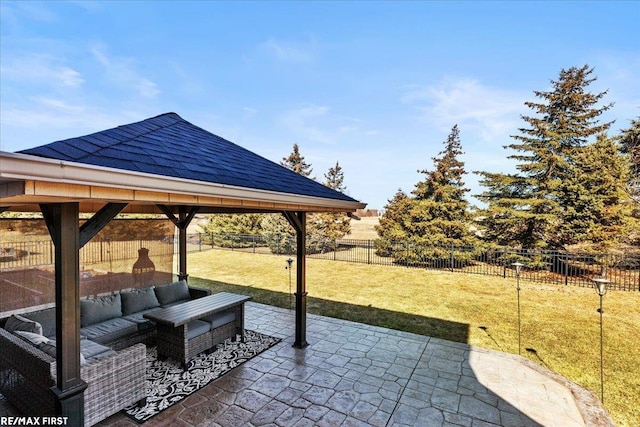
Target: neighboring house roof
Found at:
x=170, y=146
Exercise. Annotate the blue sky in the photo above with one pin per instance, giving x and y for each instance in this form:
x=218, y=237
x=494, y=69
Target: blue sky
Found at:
x=376, y=86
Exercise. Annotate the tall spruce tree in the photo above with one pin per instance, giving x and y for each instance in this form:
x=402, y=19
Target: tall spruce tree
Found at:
x=524, y=208
x=593, y=196
x=333, y=225
x=439, y=214
x=630, y=145
x=436, y=217
x=277, y=230
x=392, y=227
x=295, y=162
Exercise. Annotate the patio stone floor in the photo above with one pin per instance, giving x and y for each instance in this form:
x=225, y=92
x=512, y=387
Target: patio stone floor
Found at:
x=353, y=374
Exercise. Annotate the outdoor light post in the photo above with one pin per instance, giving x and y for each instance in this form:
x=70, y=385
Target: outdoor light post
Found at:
x=289, y=262
x=600, y=284
x=518, y=266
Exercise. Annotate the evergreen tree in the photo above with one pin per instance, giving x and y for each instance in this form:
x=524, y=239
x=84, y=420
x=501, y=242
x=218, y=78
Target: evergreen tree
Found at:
x=392, y=227
x=436, y=218
x=525, y=207
x=593, y=197
x=440, y=212
x=295, y=162
x=277, y=230
x=630, y=145
x=219, y=226
x=332, y=225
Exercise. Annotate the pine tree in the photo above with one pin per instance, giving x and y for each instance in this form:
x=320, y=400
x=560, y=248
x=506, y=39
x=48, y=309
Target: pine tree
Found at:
x=441, y=207
x=277, y=230
x=524, y=208
x=392, y=227
x=436, y=217
x=593, y=197
x=295, y=162
x=630, y=145
x=221, y=225
x=332, y=225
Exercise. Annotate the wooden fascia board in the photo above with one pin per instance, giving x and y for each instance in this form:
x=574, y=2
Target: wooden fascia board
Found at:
x=48, y=177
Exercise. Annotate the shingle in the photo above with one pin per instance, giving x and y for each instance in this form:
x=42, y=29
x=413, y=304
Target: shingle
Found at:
x=169, y=145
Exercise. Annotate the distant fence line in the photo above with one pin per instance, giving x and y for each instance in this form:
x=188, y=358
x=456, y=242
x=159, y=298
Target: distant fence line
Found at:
x=556, y=267
x=40, y=252
x=543, y=266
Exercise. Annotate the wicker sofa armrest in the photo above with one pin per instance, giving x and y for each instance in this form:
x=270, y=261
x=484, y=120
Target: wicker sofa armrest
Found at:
x=25, y=375
x=113, y=383
x=25, y=358
x=195, y=292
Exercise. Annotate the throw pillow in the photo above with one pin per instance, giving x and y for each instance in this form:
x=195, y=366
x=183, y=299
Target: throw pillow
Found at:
x=35, y=339
x=19, y=323
x=98, y=310
x=138, y=300
x=176, y=291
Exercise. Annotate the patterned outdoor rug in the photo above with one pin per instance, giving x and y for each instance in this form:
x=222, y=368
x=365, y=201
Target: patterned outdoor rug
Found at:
x=168, y=384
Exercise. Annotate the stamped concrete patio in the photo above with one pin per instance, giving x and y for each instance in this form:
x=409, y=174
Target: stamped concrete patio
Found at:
x=359, y=375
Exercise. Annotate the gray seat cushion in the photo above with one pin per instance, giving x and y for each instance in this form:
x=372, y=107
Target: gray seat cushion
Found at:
x=176, y=291
x=138, y=319
x=218, y=319
x=196, y=328
x=91, y=349
x=93, y=311
x=138, y=300
x=110, y=330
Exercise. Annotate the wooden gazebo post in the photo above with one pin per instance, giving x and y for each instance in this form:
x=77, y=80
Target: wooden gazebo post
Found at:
x=62, y=221
x=181, y=222
x=299, y=221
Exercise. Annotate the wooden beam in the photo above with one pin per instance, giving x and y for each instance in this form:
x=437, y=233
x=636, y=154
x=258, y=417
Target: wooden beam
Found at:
x=298, y=221
x=63, y=220
x=293, y=220
x=165, y=210
x=47, y=214
x=98, y=221
x=182, y=222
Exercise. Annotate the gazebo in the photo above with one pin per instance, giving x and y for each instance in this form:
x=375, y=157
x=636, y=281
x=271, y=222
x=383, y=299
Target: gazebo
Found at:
x=161, y=165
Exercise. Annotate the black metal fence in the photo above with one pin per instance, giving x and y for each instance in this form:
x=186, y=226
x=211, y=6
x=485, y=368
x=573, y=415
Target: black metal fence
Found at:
x=40, y=252
x=543, y=266
x=554, y=267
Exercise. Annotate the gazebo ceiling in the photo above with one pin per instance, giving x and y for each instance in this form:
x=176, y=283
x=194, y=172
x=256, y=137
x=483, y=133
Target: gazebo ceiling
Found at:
x=164, y=160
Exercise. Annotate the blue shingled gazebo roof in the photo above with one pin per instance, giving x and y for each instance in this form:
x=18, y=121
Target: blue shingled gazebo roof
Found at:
x=170, y=146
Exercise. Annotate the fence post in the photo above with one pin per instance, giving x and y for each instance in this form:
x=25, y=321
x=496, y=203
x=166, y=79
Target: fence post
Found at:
x=566, y=268
x=407, y=254
x=368, y=251
x=451, y=258
x=504, y=266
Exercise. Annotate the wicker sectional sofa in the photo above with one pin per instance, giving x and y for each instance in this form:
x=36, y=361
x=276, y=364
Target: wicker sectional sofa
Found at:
x=113, y=355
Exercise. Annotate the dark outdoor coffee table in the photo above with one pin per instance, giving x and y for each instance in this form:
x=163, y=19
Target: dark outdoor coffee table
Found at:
x=173, y=325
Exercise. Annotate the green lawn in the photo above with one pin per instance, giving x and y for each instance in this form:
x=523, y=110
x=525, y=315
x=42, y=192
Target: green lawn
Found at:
x=560, y=325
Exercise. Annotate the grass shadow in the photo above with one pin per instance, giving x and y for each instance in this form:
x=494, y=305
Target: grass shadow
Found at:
x=437, y=328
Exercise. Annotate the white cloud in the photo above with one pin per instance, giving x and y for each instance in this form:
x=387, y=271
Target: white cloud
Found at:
x=41, y=69
x=488, y=113
x=122, y=71
x=48, y=119
x=288, y=51
x=317, y=123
